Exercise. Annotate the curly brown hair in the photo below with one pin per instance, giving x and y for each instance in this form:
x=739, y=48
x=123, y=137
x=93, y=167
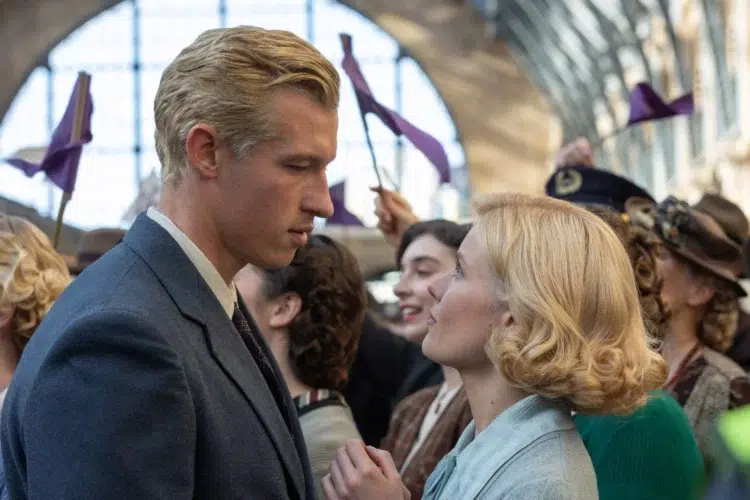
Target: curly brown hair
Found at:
x=323, y=337
x=643, y=250
x=718, y=326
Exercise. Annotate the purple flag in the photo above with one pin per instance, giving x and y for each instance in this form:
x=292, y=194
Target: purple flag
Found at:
x=428, y=145
x=646, y=105
x=341, y=216
x=60, y=162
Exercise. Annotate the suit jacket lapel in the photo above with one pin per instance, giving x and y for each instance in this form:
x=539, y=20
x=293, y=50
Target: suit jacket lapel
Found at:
x=196, y=301
x=294, y=425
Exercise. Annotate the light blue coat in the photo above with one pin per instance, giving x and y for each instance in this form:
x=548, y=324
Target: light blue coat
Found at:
x=531, y=451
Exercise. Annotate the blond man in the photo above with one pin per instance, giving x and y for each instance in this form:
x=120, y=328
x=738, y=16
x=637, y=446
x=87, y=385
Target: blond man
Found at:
x=148, y=379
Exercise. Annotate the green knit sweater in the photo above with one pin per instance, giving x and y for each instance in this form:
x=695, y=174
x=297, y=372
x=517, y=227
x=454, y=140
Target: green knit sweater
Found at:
x=650, y=454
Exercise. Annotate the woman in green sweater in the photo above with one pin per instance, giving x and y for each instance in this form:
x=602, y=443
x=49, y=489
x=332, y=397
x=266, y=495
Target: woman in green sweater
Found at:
x=651, y=454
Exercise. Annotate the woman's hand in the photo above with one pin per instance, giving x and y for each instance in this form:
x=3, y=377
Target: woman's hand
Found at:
x=363, y=473
x=394, y=213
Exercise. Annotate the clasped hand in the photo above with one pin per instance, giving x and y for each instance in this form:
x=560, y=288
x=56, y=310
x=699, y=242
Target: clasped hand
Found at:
x=362, y=472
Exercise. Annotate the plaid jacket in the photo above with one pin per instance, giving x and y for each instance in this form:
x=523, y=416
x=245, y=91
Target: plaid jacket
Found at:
x=404, y=430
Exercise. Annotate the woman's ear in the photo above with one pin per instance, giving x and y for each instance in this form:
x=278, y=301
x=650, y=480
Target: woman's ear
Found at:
x=506, y=319
x=284, y=309
x=700, y=293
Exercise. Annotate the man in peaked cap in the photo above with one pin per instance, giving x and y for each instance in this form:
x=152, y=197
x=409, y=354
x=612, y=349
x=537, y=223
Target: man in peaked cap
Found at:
x=578, y=181
x=733, y=221
x=671, y=454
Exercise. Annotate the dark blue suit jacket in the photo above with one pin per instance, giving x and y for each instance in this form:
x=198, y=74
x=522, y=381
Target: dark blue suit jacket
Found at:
x=137, y=386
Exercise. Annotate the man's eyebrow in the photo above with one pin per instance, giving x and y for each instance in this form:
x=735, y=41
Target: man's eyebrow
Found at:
x=303, y=158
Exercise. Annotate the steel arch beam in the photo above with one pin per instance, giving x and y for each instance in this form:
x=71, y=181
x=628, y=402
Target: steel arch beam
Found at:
x=573, y=80
x=517, y=34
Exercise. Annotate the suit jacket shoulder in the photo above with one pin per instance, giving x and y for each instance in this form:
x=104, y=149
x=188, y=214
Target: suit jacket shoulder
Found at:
x=137, y=382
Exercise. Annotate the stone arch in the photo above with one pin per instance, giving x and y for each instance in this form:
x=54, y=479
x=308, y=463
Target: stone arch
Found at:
x=503, y=122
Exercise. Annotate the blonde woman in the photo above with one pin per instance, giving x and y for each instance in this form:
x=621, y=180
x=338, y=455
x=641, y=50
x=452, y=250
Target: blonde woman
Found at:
x=32, y=276
x=541, y=318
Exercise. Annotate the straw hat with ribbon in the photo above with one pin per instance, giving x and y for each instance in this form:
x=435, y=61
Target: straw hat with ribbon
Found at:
x=691, y=234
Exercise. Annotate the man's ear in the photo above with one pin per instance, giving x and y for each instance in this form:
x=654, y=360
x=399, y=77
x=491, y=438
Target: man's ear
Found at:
x=285, y=308
x=201, y=146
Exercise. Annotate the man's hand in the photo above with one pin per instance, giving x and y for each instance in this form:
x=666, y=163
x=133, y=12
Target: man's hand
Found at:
x=363, y=473
x=577, y=152
x=395, y=215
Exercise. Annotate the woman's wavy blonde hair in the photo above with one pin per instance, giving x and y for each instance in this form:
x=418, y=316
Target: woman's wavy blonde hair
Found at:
x=32, y=276
x=578, y=332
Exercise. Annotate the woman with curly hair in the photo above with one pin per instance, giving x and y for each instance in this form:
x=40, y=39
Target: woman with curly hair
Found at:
x=699, y=265
x=541, y=318
x=310, y=314
x=32, y=276
x=651, y=453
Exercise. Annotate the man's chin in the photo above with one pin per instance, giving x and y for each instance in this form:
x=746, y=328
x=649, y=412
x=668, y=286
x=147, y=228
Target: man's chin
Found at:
x=275, y=259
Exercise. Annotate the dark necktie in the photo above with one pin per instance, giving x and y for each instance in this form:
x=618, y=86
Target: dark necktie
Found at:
x=247, y=335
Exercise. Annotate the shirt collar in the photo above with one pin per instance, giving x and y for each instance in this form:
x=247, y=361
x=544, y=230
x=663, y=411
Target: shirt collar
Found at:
x=226, y=294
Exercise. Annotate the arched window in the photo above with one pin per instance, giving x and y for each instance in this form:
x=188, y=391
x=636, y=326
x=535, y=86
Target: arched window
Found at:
x=127, y=47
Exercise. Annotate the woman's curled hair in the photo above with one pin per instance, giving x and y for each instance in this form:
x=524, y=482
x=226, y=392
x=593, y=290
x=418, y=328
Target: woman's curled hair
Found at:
x=32, y=276
x=718, y=326
x=643, y=248
x=578, y=332
x=323, y=337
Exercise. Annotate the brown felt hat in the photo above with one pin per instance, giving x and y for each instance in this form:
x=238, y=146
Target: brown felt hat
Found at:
x=691, y=234
x=730, y=217
x=93, y=245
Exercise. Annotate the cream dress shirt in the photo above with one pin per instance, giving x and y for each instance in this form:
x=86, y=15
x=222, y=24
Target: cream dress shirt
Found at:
x=227, y=294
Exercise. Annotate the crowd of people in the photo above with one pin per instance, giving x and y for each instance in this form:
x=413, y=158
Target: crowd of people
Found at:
x=580, y=344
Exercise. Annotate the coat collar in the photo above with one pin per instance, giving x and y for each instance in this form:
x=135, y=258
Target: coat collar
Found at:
x=197, y=302
x=476, y=459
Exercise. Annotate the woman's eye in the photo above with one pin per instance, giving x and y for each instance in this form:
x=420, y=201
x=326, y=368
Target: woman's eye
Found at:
x=424, y=273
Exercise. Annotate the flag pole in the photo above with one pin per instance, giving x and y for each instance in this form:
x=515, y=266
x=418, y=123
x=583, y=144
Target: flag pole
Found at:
x=82, y=90
x=390, y=179
x=371, y=148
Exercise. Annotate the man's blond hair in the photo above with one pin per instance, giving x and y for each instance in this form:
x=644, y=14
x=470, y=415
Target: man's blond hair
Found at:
x=225, y=78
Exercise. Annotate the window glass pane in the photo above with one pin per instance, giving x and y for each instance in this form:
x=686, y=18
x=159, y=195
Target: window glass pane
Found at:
x=104, y=189
x=149, y=85
x=167, y=29
x=290, y=19
x=369, y=41
x=104, y=46
x=104, y=40
x=26, y=125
